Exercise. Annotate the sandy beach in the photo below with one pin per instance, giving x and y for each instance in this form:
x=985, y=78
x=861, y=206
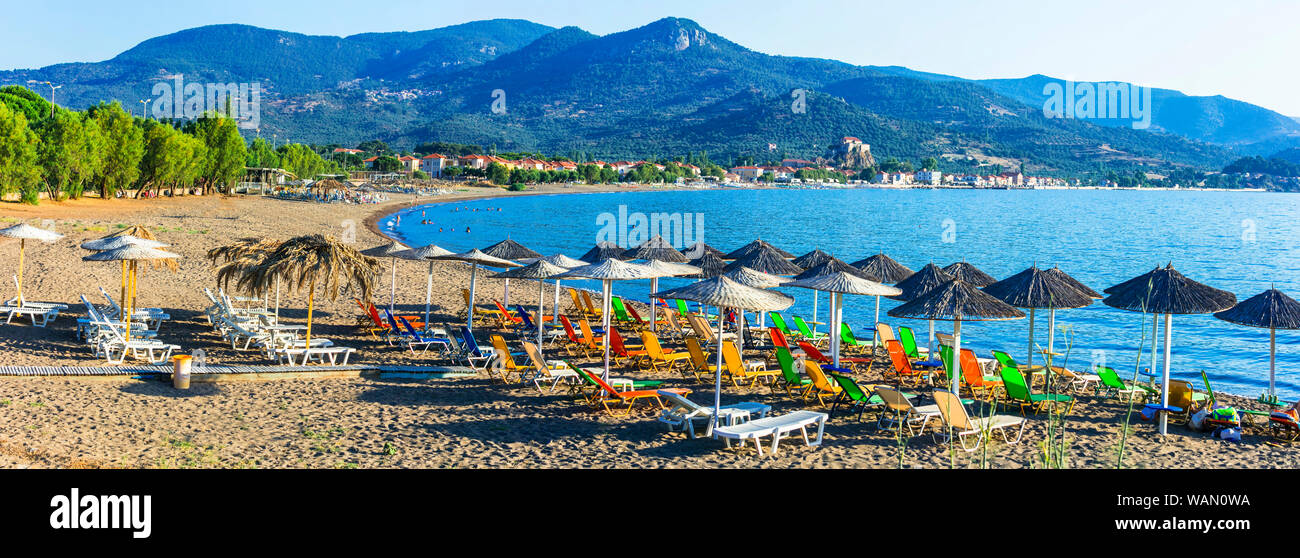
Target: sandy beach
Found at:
x=443, y=423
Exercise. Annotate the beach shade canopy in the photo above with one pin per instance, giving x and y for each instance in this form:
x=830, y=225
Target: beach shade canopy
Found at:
x=657, y=249
x=510, y=250
x=884, y=268
x=238, y=257
x=812, y=259
x=970, y=274
x=391, y=250
x=115, y=242
x=395, y=251
x=754, y=246
x=726, y=293
x=540, y=271
x=753, y=278
x=142, y=232
x=130, y=254
x=557, y=259
x=1270, y=309
x=767, y=260
x=700, y=249
x=710, y=265
x=607, y=272
x=1064, y=277
x=832, y=266
x=1166, y=291
x=24, y=232
x=921, y=282
x=603, y=251
x=666, y=269
x=1034, y=288
x=956, y=301
x=475, y=258
x=840, y=283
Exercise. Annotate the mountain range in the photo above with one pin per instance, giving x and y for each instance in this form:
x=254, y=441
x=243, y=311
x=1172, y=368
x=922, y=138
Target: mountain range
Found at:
x=665, y=89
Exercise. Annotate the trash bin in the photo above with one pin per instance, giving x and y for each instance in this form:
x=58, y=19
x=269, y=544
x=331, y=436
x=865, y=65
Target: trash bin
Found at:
x=181, y=371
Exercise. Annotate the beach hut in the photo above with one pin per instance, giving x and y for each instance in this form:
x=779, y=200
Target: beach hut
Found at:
x=919, y=283
x=656, y=249
x=603, y=251
x=394, y=251
x=475, y=258
x=510, y=250
x=970, y=274
x=1167, y=292
x=1271, y=309
x=958, y=301
x=884, y=268
x=840, y=283
x=725, y=293
x=131, y=254
x=540, y=270
x=428, y=254
x=607, y=272
x=1033, y=289
x=25, y=232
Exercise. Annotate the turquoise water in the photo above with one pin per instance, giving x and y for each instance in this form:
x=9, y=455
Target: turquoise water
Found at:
x=1239, y=241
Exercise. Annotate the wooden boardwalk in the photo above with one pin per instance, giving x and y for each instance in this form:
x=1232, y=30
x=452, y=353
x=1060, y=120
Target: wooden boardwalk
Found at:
x=221, y=370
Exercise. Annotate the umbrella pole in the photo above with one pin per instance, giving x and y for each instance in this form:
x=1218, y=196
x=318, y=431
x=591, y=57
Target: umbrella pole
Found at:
x=126, y=310
x=555, y=308
x=428, y=296
x=1164, y=393
x=874, y=326
x=392, y=289
x=541, y=301
x=604, y=314
x=473, y=279
x=1030, y=350
x=277, y=299
x=22, y=251
x=654, y=288
x=1155, y=340
x=1051, y=333
x=1272, y=360
x=956, y=357
x=717, y=377
x=814, y=320
x=122, y=300
x=311, y=306
x=506, y=295
x=740, y=331
x=835, y=324
x=932, y=353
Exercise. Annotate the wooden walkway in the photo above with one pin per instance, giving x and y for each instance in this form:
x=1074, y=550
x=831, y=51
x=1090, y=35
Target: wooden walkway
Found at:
x=218, y=370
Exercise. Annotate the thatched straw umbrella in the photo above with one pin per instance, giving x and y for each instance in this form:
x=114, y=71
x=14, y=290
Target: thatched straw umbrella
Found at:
x=767, y=260
x=839, y=283
x=1143, y=281
x=757, y=244
x=394, y=251
x=751, y=278
x=826, y=266
x=510, y=250
x=607, y=272
x=710, y=264
x=540, y=270
x=475, y=258
x=970, y=274
x=130, y=254
x=113, y=242
x=315, y=261
x=139, y=231
x=665, y=269
x=700, y=249
x=883, y=267
x=604, y=251
x=656, y=249
x=812, y=259
x=1168, y=292
x=1056, y=273
x=23, y=232
x=567, y=263
x=958, y=301
x=244, y=253
x=427, y=253
x=1272, y=309
x=725, y=293
x=1034, y=289
x=929, y=278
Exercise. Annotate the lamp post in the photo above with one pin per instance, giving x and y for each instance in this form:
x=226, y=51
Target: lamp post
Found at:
x=144, y=109
x=52, y=88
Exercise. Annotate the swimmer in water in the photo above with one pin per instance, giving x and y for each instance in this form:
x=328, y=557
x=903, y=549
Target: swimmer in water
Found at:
x=466, y=230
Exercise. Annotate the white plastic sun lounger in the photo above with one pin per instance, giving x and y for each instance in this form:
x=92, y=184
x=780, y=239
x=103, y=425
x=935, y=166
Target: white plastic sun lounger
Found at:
x=776, y=427
x=319, y=354
x=684, y=412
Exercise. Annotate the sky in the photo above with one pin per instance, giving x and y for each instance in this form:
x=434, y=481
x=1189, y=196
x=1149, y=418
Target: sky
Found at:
x=1242, y=49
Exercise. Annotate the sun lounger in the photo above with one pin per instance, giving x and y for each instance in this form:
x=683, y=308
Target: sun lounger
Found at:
x=556, y=371
x=776, y=427
x=914, y=418
x=794, y=384
x=607, y=394
x=303, y=355
x=954, y=414
x=684, y=412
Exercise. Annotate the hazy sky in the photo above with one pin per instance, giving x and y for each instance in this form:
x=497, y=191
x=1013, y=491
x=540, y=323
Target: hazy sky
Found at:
x=1243, y=49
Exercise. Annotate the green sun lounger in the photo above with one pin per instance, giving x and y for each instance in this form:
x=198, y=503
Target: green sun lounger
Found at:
x=807, y=332
x=1018, y=393
x=847, y=337
x=1112, y=386
x=789, y=376
x=779, y=322
x=853, y=395
x=620, y=311
x=908, y=340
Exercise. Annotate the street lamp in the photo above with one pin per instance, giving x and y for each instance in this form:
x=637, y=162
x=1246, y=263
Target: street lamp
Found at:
x=52, y=88
x=144, y=109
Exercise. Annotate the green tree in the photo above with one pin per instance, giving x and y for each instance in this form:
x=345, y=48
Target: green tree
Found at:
x=262, y=156
x=123, y=147
x=32, y=106
x=387, y=164
x=225, y=153
x=19, y=168
x=498, y=174
x=301, y=160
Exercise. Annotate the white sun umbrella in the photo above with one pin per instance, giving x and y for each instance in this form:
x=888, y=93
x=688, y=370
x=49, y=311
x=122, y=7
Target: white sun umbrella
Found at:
x=130, y=254
x=749, y=278
x=723, y=292
x=121, y=241
x=562, y=261
x=840, y=283
x=665, y=269
x=428, y=253
x=607, y=272
x=476, y=258
x=540, y=270
x=393, y=250
x=23, y=232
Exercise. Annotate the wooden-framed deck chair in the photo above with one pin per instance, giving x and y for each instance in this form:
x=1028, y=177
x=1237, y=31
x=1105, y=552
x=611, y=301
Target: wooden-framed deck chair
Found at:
x=794, y=383
x=608, y=396
x=1110, y=385
x=504, y=366
x=982, y=428
x=624, y=353
x=1018, y=393
x=684, y=412
x=982, y=387
x=807, y=332
x=739, y=370
x=556, y=371
x=908, y=339
x=899, y=411
x=902, y=365
x=849, y=342
x=853, y=396
x=822, y=386
x=658, y=355
x=815, y=354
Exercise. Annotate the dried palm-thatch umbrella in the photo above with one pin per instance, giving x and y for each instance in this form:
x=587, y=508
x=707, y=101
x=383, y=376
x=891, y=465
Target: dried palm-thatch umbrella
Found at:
x=604, y=251
x=883, y=267
x=1033, y=289
x=23, y=232
x=656, y=249
x=318, y=262
x=540, y=270
x=1272, y=309
x=476, y=258
x=958, y=301
x=833, y=266
x=767, y=260
x=567, y=263
x=710, y=264
x=607, y=272
x=1166, y=291
x=930, y=277
x=244, y=253
x=840, y=283
x=1064, y=277
x=131, y=254
x=757, y=244
x=665, y=269
x=510, y=250
x=427, y=254
x=393, y=251
x=970, y=274
x=758, y=280
x=115, y=241
x=700, y=249
x=812, y=259
x=725, y=293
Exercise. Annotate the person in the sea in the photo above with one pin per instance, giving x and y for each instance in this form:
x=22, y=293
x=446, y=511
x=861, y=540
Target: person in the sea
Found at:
x=466, y=230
